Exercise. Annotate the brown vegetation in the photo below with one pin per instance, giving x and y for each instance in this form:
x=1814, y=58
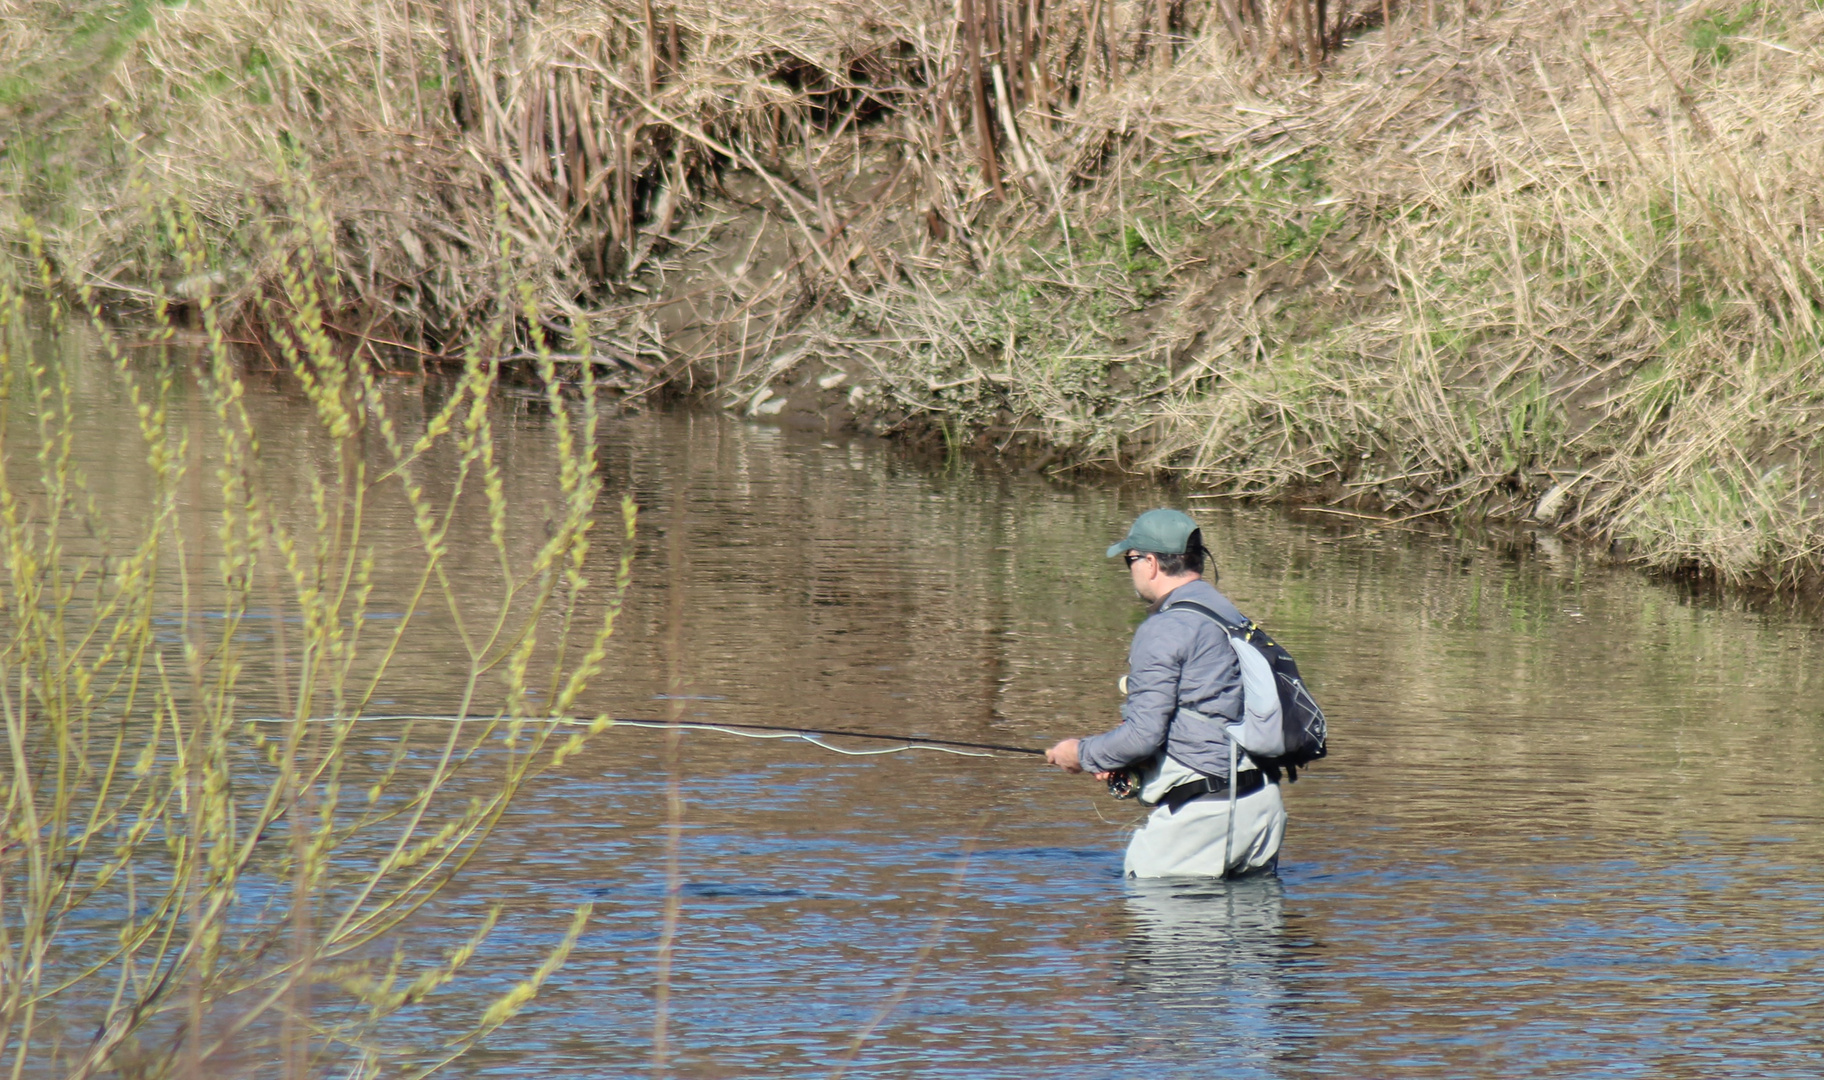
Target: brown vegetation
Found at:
x=1537, y=260
x=586, y=135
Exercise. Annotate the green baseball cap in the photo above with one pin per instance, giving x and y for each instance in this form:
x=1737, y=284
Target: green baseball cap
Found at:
x=1164, y=532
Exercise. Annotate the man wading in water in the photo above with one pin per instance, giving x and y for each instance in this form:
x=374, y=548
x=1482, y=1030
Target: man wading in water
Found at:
x=1183, y=686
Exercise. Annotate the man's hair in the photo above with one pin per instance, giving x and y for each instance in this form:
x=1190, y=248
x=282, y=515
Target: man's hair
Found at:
x=1190, y=562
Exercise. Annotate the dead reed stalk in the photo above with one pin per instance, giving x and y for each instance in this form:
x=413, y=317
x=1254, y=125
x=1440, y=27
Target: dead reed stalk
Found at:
x=597, y=128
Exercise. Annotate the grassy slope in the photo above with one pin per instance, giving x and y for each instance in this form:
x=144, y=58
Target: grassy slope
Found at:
x=1556, y=264
x=1547, y=260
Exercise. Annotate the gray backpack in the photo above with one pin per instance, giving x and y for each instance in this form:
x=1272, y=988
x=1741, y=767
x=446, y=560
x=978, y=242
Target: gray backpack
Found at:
x=1282, y=727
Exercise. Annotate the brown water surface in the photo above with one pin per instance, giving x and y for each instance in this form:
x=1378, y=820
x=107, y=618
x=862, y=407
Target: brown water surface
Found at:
x=1570, y=825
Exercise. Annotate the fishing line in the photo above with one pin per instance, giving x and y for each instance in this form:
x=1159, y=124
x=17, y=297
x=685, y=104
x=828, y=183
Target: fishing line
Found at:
x=814, y=736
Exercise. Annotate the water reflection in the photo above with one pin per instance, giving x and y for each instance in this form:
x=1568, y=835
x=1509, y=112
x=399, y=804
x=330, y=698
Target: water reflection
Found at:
x=1206, y=969
x=1570, y=827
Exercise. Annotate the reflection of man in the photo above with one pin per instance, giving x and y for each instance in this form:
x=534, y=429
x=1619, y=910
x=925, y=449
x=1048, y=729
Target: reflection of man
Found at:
x=1209, y=964
x=1183, y=687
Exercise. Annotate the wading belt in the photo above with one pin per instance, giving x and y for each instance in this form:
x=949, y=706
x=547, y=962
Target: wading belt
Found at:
x=1251, y=781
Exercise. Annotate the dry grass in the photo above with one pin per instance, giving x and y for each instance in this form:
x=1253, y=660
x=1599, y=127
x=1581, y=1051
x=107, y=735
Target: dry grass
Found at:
x=1576, y=280
x=584, y=133
x=1542, y=259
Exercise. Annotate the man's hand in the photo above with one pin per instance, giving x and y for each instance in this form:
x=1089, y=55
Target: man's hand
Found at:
x=1064, y=756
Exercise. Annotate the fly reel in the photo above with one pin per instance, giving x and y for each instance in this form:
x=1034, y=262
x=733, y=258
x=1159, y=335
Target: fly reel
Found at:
x=1124, y=784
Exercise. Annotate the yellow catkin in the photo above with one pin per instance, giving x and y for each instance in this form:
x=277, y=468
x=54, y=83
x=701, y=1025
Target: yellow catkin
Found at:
x=122, y=676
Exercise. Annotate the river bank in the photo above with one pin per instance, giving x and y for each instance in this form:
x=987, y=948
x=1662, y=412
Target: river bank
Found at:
x=1533, y=262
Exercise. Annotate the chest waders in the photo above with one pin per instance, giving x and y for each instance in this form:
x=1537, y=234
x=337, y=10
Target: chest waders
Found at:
x=1132, y=782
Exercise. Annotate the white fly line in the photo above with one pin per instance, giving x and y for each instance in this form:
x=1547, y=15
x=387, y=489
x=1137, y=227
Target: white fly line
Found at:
x=814, y=738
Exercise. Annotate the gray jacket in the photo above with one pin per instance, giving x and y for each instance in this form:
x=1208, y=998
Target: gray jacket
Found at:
x=1179, y=659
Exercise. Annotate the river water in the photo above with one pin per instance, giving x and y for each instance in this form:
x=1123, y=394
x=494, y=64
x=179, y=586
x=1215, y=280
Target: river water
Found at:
x=1570, y=825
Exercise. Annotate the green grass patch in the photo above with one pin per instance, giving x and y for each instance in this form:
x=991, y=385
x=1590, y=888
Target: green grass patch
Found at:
x=16, y=89
x=1712, y=33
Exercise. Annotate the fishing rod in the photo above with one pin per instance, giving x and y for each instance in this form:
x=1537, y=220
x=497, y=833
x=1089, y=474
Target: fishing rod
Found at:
x=811, y=735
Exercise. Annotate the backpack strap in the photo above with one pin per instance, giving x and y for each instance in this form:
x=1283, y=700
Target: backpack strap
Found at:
x=1242, y=630
x=1192, y=605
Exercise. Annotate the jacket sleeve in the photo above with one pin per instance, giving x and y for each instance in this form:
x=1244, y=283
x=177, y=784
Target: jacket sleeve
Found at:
x=1153, y=669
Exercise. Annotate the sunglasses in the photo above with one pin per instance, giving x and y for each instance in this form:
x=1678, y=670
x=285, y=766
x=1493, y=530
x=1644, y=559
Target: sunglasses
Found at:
x=1130, y=558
